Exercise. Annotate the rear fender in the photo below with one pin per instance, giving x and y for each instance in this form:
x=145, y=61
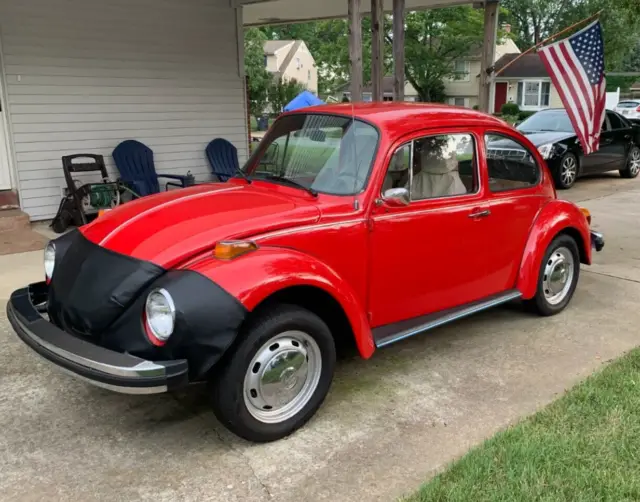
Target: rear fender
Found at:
x=554, y=218
x=258, y=275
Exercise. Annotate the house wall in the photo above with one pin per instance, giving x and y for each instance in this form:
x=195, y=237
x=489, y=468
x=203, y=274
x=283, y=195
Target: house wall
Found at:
x=465, y=88
x=83, y=75
x=554, y=97
x=302, y=68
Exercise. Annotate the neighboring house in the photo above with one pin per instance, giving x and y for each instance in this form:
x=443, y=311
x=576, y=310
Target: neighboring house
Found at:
x=464, y=90
x=291, y=59
x=525, y=82
x=410, y=94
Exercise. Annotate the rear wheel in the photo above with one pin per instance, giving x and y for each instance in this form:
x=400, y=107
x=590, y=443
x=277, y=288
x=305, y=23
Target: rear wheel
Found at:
x=567, y=172
x=558, y=277
x=632, y=167
x=277, y=377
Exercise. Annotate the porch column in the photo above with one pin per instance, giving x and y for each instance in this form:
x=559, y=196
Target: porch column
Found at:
x=488, y=53
x=377, y=49
x=355, y=50
x=398, y=50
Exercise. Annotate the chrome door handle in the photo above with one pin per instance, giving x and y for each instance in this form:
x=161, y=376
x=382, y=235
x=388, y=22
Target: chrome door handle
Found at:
x=480, y=214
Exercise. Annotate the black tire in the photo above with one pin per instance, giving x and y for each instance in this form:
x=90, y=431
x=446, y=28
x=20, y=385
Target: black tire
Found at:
x=562, y=180
x=539, y=303
x=631, y=169
x=227, y=384
x=61, y=222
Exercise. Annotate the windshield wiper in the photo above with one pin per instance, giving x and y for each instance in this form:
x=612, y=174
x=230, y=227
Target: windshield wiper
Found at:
x=275, y=177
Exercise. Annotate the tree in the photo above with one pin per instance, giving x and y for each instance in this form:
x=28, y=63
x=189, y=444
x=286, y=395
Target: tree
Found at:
x=259, y=77
x=534, y=20
x=434, y=40
x=282, y=91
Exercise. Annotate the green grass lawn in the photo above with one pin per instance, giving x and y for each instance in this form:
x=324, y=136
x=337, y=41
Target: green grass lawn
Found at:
x=584, y=447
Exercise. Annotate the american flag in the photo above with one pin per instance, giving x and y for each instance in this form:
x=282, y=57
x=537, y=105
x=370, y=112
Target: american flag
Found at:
x=576, y=68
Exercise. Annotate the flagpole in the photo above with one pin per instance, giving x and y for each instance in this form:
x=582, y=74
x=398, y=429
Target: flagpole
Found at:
x=586, y=20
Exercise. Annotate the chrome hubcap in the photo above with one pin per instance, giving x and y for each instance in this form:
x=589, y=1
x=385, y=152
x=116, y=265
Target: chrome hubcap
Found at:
x=558, y=275
x=569, y=170
x=634, y=162
x=282, y=377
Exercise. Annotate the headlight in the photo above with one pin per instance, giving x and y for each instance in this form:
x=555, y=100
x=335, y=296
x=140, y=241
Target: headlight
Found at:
x=49, y=260
x=545, y=150
x=161, y=315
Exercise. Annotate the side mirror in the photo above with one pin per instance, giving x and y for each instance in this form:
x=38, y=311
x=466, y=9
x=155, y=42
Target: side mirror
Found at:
x=397, y=197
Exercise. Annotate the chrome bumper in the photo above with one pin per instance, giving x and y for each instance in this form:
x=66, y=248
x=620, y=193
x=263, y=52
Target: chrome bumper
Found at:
x=597, y=240
x=102, y=367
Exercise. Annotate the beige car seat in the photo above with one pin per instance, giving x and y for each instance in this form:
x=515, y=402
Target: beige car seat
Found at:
x=438, y=177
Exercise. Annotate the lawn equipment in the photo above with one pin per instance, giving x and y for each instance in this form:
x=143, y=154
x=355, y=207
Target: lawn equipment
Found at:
x=83, y=201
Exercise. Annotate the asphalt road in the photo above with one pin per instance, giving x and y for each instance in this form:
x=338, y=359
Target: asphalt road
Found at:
x=388, y=424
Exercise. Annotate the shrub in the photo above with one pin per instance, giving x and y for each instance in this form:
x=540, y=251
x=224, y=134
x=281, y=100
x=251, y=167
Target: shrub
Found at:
x=476, y=107
x=525, y=114
x=510, y=109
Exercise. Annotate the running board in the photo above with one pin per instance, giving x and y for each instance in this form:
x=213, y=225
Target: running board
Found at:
x=391, y=333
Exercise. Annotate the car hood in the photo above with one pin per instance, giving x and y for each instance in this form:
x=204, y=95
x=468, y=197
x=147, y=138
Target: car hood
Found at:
x=544, y=137
x=173, y=226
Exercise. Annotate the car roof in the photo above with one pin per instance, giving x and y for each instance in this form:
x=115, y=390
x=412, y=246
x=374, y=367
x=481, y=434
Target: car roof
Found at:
x=398, y=117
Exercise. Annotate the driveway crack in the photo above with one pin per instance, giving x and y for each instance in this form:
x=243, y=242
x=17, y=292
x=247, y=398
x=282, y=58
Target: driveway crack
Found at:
x=612, y=276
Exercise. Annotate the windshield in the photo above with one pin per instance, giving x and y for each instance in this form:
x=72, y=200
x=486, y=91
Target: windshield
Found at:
x=554, y=120
x=324, y=153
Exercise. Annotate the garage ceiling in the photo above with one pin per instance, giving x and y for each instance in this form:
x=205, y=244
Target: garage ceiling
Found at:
x=290, y=11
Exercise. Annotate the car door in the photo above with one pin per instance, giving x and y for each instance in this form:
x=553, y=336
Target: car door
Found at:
x=606, y=157
x=620, y=138
x=430, y=254
x=515, y=197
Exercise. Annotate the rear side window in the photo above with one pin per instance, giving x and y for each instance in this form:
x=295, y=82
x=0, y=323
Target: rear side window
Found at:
x=510, y=164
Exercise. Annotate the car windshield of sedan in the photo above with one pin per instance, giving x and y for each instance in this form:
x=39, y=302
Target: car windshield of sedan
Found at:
x=552, y=120
x=329, y=154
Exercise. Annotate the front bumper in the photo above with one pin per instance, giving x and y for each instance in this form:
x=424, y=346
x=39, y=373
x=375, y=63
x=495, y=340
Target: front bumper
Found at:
x=100, y=366
x=597, y=240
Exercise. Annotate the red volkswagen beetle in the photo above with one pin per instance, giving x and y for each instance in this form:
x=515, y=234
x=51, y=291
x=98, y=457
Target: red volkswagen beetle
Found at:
x=350, y=223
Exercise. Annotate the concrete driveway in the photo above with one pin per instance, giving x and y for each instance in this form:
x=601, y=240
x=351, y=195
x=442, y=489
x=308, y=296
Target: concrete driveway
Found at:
x=388, y=424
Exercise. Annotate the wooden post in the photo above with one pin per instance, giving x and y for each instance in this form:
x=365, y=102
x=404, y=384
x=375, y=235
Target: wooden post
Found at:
x=398, y=50
x=377, y=49
x=355, y=50
x=488, y=54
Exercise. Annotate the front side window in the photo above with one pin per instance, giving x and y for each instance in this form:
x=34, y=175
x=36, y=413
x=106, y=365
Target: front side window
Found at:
x=616, y=121
x=434, y=166
x=510, y=164
x=327, y=153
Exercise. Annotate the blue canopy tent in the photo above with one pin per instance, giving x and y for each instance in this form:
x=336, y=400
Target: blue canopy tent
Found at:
x=302, y=100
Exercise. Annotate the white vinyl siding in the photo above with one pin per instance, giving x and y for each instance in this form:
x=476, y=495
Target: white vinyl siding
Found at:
x=83, y=75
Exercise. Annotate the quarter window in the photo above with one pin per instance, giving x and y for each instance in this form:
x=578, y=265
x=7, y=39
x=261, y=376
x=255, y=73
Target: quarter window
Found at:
x=510, y=164
x=434, y=166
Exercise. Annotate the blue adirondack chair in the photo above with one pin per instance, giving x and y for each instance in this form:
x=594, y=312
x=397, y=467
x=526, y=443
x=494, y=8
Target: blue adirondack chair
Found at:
x=135, y=162
x=223, y=158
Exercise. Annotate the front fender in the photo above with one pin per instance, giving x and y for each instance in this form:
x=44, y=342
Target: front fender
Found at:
x=256, y=276
x=555, y=217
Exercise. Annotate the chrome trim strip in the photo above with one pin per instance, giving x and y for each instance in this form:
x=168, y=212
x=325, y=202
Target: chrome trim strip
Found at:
x=142, y=369
x=447, y=318
x=114, y=388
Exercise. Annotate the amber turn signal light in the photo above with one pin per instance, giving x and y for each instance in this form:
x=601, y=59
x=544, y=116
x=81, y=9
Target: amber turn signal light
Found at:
x=228, y=250
x=586, y=213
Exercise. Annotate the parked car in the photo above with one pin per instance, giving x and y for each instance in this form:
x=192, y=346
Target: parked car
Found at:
x=552, y=132
x=358, y=225
x=629, y=108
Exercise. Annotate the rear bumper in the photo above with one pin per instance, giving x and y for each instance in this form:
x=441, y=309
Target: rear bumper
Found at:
x=597, y=240
x=102, y=367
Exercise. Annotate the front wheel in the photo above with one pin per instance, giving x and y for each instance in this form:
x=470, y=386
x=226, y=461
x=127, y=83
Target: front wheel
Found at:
x=277, y=377
x=632, y=167
x=567, y=172
x=558, y=277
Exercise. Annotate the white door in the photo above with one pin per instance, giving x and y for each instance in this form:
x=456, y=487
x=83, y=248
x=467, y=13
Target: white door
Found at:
x=5, y=178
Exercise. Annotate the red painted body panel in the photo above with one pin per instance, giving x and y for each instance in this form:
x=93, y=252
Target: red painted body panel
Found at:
x=254, y=277
x=381, y=263
x=556, y=216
